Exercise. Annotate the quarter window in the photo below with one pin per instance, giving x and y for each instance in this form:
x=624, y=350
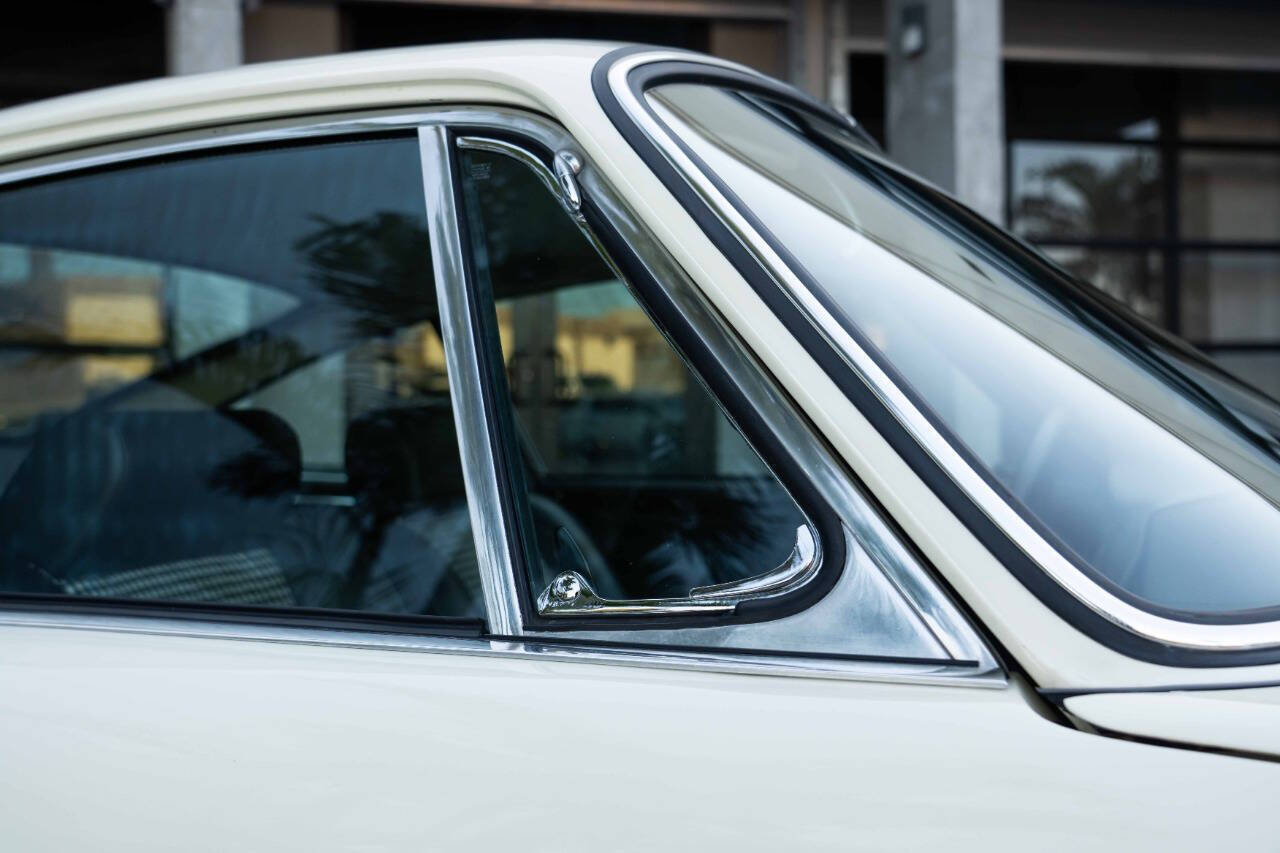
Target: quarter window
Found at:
x=634, y=476
x=223, y=381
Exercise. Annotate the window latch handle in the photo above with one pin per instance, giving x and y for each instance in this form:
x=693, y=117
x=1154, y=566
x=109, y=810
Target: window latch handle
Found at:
x=571, y=594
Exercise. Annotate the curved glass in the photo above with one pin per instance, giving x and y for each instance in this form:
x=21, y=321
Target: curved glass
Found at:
x=1152, y=471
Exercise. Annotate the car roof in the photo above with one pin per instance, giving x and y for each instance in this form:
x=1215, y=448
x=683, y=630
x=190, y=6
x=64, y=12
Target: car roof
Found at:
x=526, y=73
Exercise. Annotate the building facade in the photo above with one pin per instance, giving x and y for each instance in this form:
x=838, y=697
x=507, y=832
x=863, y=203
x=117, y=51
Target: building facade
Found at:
x=1137, y=142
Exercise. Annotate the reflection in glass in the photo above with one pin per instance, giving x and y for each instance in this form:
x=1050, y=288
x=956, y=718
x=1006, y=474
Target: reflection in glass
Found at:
x=624, y=451
x=1231, y=296
x=1078, y=190
x=1229, y=195
x=1134, y=278
x=222, y=381
x=1259, y=369
x=1163, y=489
x=1236, y=105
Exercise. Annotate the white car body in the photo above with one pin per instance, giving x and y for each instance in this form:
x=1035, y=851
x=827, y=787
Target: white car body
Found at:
x=136, y=733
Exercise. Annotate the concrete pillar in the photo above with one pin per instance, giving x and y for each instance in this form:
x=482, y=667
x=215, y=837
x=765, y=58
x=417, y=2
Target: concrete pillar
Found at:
x=944, y=96
x=204, y=35
x=807, y=46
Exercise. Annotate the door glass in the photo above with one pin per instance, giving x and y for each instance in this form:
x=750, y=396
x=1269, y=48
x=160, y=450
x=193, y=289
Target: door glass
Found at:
x=223, y=382
x=625, y=454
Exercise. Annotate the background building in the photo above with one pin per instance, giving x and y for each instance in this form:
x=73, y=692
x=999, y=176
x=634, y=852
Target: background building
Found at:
x=1138, y=142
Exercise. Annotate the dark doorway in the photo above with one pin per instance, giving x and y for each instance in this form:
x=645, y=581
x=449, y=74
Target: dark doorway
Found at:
x=374, y=25
x=49, y=49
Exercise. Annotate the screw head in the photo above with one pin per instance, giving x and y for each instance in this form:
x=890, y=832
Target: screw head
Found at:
x=566, y=587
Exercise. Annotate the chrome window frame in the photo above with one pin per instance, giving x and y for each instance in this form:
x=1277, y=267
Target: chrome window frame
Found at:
x=506, y=635
x=1166, y=632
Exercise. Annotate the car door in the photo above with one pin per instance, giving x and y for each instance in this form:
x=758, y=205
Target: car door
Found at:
x=396, y=490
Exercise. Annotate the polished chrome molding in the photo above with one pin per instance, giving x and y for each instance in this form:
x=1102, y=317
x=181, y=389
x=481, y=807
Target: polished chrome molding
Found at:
x=567, y=166
x=561, y=178
x=284, y=130
x=527, y=649
x=962, y=658
x=466, y=385
x=796, y=571
x=570, y=594
x=1161, y=629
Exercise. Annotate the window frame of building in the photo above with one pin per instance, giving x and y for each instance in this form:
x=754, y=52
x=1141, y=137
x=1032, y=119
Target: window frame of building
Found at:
x=1165, y=90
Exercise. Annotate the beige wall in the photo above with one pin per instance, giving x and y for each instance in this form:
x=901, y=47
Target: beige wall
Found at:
x=1225, y=35
x=759, y=44
x=289, y=30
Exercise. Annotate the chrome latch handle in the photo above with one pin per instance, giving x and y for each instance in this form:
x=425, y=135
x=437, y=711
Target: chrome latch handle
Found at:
x=566, y=166
x=571, y=594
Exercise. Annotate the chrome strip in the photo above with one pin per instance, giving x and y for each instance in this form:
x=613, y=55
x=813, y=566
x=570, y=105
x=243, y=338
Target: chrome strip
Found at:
x=1173, y=632
x=291, y=129
x=944, y=621
x=710, y=661
x=570, y=594
x=799, y=567
x=466, y=386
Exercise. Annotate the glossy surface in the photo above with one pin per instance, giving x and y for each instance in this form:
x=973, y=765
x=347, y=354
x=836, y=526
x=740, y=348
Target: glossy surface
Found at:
x=1234, y=720
x=331, y=748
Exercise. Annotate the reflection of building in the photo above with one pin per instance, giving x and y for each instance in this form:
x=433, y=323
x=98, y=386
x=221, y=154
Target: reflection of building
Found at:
x=1139, y=140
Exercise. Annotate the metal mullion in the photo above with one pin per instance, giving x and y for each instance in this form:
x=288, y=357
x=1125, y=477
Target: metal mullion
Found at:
x=1237, y=346
x=1169, y=176
x=1241, y=146
x=1153, y=244
x=1100, y=139
x=466, y=387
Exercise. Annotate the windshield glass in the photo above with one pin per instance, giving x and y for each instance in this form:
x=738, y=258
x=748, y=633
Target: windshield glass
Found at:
x=1148, y=468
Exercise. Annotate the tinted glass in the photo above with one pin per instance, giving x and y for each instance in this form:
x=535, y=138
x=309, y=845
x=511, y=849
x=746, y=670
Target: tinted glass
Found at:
x=1237, y=105
x=1231, y=297
x=1135, y=278
x=1064, y=189
x=1229, y=195
x=223, y=382
x=1158, y=477
x=631, y=467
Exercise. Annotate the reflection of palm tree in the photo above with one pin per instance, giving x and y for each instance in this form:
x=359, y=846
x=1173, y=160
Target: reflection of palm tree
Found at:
x=1084, y=198
x=379, y=268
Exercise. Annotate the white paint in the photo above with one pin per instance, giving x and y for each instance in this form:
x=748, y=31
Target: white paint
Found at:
x=131, y=742
x=1240, y=720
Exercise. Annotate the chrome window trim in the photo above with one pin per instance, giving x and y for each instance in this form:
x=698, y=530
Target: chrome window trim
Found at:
x=943, y=620
x=518, y=648
x=479, y=467
x=1161, y=629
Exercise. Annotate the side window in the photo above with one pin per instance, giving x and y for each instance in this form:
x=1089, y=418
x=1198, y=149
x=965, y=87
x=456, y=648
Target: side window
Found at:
x=634, y=475
x=223, y=382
